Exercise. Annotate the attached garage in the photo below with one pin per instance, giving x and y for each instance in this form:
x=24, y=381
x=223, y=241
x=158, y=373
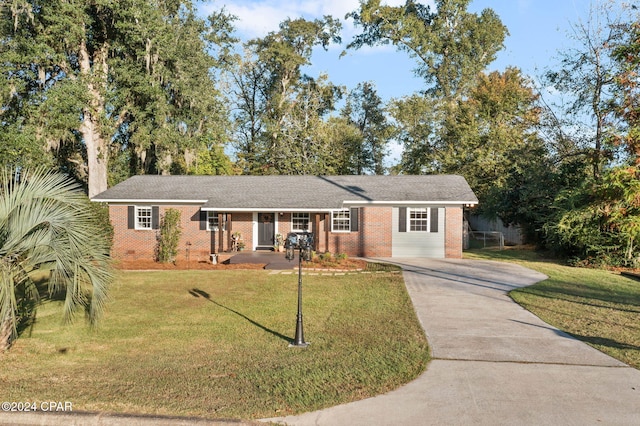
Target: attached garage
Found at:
x=418, y=232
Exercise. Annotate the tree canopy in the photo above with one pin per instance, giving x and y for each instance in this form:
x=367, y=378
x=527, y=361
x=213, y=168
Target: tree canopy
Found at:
x=280, y=109
x=101, y=79
x=450, y=45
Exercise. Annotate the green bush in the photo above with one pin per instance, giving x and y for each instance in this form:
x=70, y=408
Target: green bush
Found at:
x=326, y=257
x=101, y=214
x=169, y=236
x=599, y=223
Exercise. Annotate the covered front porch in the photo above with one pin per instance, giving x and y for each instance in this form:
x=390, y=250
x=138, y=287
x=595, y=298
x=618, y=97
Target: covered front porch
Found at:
x=261, y=231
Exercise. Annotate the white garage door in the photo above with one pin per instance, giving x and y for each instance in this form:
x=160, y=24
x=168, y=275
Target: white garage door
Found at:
x=418, y=232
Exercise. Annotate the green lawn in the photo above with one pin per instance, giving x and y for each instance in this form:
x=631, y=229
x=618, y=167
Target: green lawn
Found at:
x=599, y=307
x=215, y=344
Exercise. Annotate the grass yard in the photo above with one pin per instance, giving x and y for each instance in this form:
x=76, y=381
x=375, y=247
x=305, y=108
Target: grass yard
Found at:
x=215, y=344
x=599, y=307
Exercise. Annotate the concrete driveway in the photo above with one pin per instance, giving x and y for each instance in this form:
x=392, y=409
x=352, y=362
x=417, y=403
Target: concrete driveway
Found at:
x=493, y=363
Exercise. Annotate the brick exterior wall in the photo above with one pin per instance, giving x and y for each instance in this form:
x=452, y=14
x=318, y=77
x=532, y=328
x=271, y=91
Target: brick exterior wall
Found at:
x=141, y=244
x=373, y=238
x=243, y=223
x=453, y=236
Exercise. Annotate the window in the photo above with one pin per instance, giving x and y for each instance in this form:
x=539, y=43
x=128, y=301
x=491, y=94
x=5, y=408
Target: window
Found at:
x=212, y=221
x=418, y=219
x=341, y=221
x=143, y=217
x=300, y=222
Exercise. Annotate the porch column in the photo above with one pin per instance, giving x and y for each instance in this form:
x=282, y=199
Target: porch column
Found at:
x=327, y=228
x=316, y=240
x=229, y=222
x=220, y=232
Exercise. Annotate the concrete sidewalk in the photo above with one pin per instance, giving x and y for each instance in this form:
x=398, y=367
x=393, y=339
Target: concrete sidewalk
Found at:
x=494, y=363
x=108, y=419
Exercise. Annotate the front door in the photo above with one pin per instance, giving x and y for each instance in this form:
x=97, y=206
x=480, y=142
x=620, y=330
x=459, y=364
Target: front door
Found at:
x=266, y=229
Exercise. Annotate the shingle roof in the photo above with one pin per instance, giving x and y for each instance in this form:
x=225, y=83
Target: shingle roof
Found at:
x=291, y=192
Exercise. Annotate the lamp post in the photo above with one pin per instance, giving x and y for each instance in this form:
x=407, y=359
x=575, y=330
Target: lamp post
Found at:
x=303, y=243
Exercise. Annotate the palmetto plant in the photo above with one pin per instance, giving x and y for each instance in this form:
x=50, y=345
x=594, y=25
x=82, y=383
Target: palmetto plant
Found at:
x=47, y=224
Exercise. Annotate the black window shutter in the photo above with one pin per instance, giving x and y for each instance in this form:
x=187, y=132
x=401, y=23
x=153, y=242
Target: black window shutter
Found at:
x=402, y=223
x=354, y=219
x=203, y=220
x=131, y=217
x=155, y=217
x=434, y=219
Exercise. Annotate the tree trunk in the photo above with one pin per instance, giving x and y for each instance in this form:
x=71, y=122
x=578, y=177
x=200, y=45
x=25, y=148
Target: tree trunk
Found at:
x=96, y=144
x=96, y=154
x=6, y=334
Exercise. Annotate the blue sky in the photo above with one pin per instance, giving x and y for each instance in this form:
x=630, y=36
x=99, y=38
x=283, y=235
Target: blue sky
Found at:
x=538, y=29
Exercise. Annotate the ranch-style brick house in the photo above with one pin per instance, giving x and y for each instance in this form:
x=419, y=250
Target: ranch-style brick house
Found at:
x=372, y=216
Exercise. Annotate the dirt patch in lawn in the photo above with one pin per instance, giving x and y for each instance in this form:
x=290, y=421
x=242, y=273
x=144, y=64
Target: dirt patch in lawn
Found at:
x=349, y=264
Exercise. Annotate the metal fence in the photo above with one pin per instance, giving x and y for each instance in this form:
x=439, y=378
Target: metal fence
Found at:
x=512, y=233
x=484, y=239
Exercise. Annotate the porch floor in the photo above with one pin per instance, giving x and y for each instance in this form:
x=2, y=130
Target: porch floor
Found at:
x=273, y=260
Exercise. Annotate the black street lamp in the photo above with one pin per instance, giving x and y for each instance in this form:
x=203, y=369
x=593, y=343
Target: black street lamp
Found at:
x=303, y=242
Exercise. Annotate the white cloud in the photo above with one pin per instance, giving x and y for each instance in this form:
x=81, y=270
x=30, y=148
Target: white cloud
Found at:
x=256, y=18
x=259, y=19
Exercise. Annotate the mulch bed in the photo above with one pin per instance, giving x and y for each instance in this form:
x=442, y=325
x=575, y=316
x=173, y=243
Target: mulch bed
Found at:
x=145, y=265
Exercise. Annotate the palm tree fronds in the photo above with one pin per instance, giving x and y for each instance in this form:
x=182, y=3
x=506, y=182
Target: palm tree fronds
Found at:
x=46, y=223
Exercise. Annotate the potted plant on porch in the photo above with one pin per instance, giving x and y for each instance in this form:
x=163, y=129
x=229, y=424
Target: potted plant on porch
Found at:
x=279, y=243
x=236, y=242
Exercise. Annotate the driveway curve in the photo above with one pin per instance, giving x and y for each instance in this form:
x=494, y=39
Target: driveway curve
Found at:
x=493, y=362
